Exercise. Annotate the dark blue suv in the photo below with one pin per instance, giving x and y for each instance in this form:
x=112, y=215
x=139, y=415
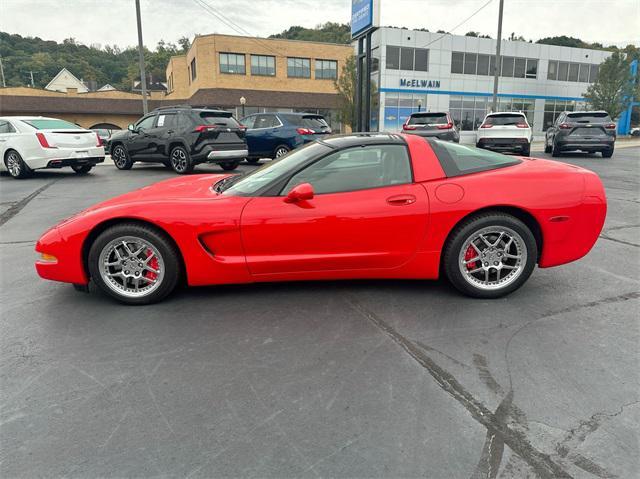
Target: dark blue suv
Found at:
x=272, y=135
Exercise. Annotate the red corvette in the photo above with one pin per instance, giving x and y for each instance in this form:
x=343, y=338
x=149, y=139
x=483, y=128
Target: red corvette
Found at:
x=354, y=206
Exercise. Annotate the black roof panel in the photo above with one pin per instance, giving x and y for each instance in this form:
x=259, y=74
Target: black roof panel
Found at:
x=361, y=139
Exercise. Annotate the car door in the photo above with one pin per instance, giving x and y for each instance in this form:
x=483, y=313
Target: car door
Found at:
x=139, y=144
x=162, y=133
x=262, y=138
x=7, y=131
x=366, y=214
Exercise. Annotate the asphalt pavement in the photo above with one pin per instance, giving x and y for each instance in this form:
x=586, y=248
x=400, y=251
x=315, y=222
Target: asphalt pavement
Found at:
x=320, y=379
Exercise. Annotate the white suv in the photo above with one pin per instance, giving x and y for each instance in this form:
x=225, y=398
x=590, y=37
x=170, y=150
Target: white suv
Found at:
x=505, y=131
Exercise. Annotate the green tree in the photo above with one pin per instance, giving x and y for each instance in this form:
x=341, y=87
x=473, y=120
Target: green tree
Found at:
x=329, y=32
x=346, y=87
x=614, y=88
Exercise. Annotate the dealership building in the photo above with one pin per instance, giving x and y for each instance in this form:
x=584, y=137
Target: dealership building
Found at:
x=422, y=71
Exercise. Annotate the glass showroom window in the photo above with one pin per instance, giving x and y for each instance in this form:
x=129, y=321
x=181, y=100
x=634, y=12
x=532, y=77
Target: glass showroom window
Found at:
x=263, y=65
x=532, y=68
x=232, y=63
x=553, y=109
x=298, y=67
x=457, y=62
x=470, y=61
x=398, y=107
x=468, y=111
x=406, y=58
x=326, y=69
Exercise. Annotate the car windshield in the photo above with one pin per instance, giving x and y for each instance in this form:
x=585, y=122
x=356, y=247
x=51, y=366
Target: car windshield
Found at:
x=249, y=184
x=506, y=119
x=596, y=117
x=51, y=124
x=428, y=119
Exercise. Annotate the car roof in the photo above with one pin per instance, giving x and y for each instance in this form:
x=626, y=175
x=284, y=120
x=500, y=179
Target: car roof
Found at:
x=495, y=113
x=430, y=113
x=27, y=118
x=361, y=139
x=588, y=112
x=188, y=108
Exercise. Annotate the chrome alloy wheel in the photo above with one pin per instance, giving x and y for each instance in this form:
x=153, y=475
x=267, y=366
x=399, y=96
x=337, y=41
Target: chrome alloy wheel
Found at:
x=281, y=152
x=119, y=156
x=179, y=160
x=492, y=257
x=14, y=164
x=131, y=266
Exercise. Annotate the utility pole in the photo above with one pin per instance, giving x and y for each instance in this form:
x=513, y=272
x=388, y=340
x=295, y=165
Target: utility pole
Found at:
x=4, y=84
x=496, y=71
x=32, y=83
x=143, y=75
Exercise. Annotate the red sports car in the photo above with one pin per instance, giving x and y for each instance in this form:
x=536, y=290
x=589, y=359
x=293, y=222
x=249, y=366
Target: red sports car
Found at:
x=353, y=206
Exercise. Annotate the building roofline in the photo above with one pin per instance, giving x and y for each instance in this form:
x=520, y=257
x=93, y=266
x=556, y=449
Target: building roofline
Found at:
x=348, y=45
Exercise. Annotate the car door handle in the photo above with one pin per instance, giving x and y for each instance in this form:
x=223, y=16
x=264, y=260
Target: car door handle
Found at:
x=170, y=132
x=401, y=200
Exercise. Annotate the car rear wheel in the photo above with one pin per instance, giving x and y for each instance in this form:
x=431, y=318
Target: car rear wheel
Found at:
x=608, y=153
x=490, y=255
x=134, y=264
x=281, y=151
x=16, y=166
x=253, y=161
x=121, y=158
x=526, y=151
x=82, y=169
x=555, y=151
x=181, y=161
x=229, y=165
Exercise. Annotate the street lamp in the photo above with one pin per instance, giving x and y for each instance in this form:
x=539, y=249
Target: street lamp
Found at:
x=243, y=101
x=419, y=104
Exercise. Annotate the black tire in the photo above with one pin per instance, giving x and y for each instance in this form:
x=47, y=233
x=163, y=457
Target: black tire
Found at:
x=281, y=150
x=180, y=160
x=168, y=252
x=229, y=165
x=547, y=147
x=252, y=161
x=526, y=151
x=16, y=166
x=120, y=157
x=82, y=169
x=555, y=151
x=608, y=153
x=465, y=230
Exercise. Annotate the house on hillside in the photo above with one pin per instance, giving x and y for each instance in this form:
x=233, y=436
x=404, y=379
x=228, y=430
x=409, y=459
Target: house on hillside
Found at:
x=107, y=87
x=65, y=79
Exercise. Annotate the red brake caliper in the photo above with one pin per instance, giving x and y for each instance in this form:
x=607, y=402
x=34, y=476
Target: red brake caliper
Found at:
x=153, y=263
x=470, y=254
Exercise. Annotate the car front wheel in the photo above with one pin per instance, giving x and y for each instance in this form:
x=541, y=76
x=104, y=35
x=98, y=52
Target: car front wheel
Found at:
x=16, y=166
x=547, y=147
x=490, y=255
x=229, y=165
x=134, y=264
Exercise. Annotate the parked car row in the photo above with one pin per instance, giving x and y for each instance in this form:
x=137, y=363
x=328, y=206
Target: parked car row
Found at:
x=182, y=136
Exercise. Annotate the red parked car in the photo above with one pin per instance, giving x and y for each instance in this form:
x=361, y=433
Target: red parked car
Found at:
x=354, y=206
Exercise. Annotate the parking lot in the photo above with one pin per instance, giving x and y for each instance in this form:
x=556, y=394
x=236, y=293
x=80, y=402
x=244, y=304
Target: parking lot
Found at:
x=339, y=379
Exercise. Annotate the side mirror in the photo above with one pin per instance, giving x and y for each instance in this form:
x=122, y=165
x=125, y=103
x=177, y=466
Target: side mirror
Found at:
x=131, y=128
x=302, y=192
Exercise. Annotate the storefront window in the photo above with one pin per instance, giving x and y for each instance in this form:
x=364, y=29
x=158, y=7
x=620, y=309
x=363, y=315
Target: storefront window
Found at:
x=398, y=107
x=298, y=67
x=469, y=111
x=232, y=63
x=263, y=65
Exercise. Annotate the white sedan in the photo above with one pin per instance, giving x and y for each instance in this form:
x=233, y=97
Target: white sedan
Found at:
x=29, y=143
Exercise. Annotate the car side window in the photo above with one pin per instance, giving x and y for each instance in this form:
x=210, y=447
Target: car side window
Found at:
x=560, y=119
x=146, y=123
x=265, y=121
x=6, y=127
x=248, y=121
x=167, y=121
x=357, y=168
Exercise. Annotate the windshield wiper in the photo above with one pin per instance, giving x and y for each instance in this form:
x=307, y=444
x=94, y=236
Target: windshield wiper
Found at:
x=225, y=183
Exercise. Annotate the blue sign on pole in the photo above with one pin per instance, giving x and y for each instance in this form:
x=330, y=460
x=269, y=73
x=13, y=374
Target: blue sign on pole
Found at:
x=363, y=16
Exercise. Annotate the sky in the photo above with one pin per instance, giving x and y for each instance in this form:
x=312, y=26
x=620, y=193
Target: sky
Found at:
x=108, y=22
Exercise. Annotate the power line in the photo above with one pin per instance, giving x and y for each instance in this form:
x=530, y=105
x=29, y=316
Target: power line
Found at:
x=458, y=25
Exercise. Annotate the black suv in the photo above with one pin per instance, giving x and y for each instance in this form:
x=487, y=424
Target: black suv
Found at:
x=581, y=130
x=181, y=137
x=432, y=124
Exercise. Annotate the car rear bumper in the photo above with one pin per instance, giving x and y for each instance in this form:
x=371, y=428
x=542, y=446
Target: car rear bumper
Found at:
x=222, y=155
x=49, y=157
x=61, y=163
x=585, y=144
x=503, y=144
